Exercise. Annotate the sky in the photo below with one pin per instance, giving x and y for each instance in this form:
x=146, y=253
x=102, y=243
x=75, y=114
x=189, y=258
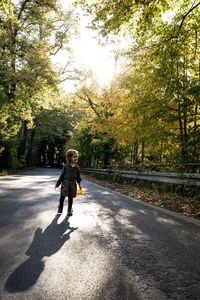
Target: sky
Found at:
x=87, y=52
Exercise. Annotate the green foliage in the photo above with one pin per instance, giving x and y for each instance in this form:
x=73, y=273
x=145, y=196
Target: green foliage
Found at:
x=153, y=106
x=114, y=15
x=30, y=32
x=95, y=149
x=51, y=132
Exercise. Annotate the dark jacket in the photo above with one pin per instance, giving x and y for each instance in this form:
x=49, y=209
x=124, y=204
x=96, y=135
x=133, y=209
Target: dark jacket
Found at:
x=68, y=178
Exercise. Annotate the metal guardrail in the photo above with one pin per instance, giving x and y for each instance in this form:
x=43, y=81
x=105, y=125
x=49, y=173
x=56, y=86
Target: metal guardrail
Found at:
x=191, y=179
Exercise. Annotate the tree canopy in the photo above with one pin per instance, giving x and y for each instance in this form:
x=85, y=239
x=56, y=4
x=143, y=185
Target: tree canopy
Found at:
x=149, y=112
x=153, y=105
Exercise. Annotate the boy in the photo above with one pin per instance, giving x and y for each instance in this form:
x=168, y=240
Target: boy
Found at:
x=68, y=178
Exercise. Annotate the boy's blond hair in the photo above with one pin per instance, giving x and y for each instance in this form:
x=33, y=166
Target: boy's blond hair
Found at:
x=70, y=153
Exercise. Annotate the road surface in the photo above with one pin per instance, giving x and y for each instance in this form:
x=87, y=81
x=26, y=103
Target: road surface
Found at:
x=113, y=247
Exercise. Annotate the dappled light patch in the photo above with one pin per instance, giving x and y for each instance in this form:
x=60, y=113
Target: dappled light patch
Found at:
x=142, y=211
x=166, y=221
x=126, y=212
x=106, y=193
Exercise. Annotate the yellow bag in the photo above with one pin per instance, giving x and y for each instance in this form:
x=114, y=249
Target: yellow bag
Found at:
x=80, y=192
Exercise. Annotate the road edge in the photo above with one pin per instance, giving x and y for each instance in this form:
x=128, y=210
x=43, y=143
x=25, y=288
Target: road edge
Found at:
x=161, y=209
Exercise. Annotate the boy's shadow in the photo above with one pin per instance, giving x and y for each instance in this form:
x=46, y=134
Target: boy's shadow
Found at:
x=45, y=243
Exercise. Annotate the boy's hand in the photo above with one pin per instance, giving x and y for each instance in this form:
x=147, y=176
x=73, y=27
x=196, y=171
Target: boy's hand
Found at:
x=80, y=187
x=55, y=187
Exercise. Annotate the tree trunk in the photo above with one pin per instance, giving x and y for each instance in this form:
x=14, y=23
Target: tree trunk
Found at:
x=142, y=154
x=23, y=140
x=135, y=153
x=30, y=148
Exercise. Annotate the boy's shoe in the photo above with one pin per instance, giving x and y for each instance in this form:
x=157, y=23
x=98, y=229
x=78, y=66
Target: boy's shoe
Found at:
x=59, y=211
x=70, y=212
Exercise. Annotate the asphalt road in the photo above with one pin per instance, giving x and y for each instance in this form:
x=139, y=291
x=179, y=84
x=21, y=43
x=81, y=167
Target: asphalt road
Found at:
x=113, y=247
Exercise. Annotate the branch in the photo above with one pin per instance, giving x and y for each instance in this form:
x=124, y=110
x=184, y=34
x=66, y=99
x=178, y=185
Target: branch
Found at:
x=89, y=101
x=65, y=67
x=23, y=7
x=175, y=35
x=61, y=43
x=171, y=108
x=68, y=78
x=184, y=16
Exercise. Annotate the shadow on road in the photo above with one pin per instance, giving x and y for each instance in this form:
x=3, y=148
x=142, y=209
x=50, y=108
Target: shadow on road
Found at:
x=158, y=254
x=45, y=243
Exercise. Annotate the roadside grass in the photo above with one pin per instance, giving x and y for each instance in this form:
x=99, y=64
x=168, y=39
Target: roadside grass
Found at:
x=7, y=172
x=184, y=204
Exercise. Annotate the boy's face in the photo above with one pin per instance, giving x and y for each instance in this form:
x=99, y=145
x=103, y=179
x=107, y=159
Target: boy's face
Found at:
x=74, y=158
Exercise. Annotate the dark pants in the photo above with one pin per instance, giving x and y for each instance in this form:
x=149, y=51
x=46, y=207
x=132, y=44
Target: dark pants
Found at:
x=61, y=201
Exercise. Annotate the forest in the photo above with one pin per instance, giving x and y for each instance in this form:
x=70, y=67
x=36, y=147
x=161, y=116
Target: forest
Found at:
x=149, y=114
